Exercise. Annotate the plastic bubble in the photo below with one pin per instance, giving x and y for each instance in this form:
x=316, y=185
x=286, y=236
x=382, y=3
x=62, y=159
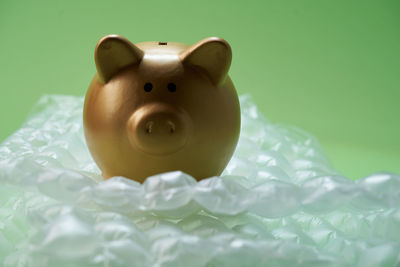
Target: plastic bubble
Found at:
x=277, y=203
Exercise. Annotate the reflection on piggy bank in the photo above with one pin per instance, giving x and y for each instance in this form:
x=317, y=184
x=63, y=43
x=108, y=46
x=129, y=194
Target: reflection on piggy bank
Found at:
x=155, y=107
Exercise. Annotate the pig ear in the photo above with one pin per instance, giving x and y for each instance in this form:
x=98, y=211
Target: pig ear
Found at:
x=214, y=55
x=113, y=53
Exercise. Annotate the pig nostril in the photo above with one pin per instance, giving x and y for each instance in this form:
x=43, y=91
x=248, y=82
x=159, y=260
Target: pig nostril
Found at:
x=171, y=127
x=149, y=127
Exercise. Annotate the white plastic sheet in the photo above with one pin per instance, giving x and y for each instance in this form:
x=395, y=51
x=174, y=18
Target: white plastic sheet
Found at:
x=278, y=203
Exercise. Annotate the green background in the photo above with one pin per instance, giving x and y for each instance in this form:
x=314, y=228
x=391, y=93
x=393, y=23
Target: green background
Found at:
x=331, y=67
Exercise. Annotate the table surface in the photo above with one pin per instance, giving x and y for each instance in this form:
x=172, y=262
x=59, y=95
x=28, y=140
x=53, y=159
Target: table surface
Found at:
x=329, y=67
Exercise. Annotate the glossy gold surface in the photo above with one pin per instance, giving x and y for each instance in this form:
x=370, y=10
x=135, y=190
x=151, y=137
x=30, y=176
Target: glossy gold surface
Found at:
x=188, y=121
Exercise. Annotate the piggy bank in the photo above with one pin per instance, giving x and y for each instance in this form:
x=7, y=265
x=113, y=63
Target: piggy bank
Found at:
x=155, y=107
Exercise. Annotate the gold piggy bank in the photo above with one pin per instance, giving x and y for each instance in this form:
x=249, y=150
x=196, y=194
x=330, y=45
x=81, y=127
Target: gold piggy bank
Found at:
x=155, y=107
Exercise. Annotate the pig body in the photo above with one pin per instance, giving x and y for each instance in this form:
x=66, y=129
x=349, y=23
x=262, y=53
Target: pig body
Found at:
x=155, y=107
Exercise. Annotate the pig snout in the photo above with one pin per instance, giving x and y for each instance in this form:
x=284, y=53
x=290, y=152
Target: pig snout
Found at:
x=159, y=128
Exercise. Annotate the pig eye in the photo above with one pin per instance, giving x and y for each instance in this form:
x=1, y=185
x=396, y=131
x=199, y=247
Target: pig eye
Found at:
x=171, y=87
x=148, y=87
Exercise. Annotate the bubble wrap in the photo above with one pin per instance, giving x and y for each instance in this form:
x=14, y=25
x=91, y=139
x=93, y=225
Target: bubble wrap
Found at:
x=278, y=203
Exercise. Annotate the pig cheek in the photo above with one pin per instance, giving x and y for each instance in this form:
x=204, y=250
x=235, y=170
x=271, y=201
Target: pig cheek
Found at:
x=105, y=122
